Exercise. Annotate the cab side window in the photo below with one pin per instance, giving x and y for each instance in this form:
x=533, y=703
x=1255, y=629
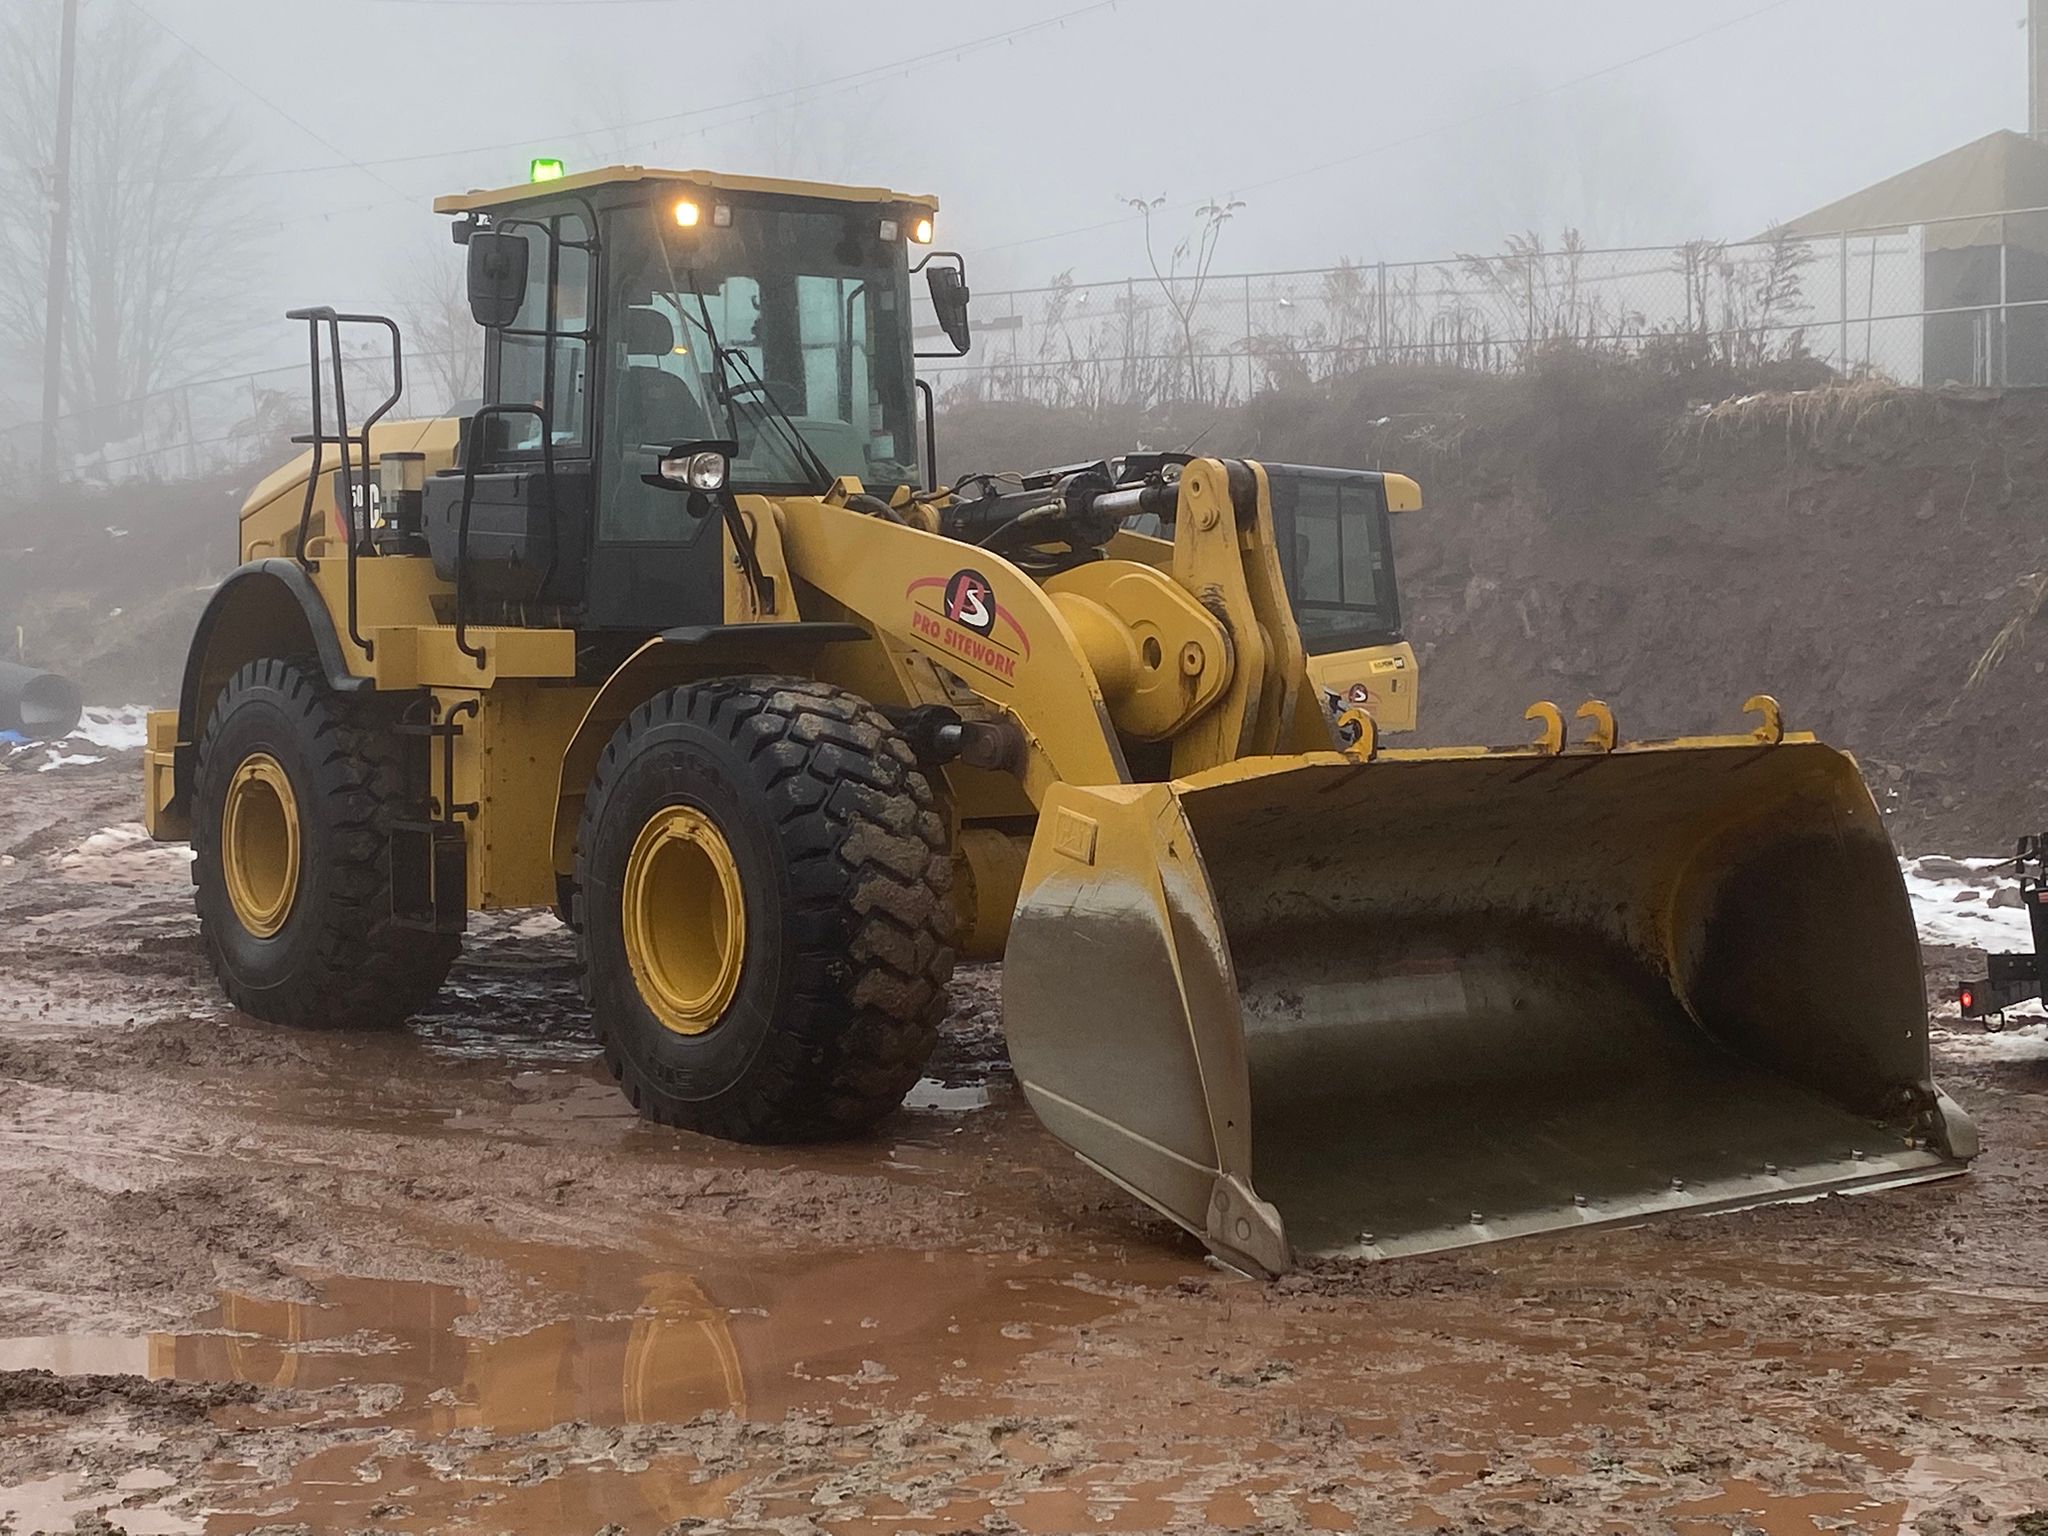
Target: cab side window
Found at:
x=543, y=357
x=1337, y=552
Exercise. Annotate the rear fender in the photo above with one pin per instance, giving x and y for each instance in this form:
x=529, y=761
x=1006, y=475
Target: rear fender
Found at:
x=265, y=608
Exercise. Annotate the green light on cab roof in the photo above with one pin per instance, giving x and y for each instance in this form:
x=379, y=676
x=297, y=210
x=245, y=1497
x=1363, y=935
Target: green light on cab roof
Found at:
x=547, y=170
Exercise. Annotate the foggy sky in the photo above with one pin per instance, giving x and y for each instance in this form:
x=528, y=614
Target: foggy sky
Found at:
x=1042, y=135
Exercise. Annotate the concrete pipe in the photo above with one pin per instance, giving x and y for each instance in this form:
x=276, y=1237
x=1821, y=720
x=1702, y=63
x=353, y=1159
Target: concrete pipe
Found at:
x=39, y=705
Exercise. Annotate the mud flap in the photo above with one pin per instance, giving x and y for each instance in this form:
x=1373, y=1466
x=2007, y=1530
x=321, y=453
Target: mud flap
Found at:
x=1316, y=1006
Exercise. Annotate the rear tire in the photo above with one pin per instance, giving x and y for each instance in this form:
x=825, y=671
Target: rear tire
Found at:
x=775, y=968
x=293, y=798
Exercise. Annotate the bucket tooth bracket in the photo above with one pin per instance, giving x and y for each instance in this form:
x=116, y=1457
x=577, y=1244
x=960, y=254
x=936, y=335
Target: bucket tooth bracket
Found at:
x=1771, y=716
x=1602, y=737
x=1551, y=740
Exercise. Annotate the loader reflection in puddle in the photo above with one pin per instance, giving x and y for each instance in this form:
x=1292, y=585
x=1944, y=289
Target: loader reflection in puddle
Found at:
x=755, y=1338
x=666, y=1360
x=663, y=1359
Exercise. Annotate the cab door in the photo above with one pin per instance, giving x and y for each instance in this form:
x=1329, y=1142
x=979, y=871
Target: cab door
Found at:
x=653, y=566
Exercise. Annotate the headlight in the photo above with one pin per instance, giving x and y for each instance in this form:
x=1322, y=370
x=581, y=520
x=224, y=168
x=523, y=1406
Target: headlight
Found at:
x=921, y=231
x=699, y=471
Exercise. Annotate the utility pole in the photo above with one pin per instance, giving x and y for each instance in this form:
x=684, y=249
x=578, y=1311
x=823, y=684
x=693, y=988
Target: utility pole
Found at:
x=2037, y=68
x=60, y=247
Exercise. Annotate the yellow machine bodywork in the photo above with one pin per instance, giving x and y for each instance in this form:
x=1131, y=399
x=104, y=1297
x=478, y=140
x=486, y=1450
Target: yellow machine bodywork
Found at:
x=1302, y=999
x=1383, y=680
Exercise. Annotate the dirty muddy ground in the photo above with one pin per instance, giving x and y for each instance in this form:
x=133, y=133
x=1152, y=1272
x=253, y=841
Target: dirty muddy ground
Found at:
x=440, y=1280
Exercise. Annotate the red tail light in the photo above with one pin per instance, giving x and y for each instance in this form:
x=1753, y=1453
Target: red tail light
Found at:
x=1968, y=997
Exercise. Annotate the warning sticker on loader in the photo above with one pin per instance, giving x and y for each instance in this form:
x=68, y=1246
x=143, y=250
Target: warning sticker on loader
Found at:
x=960, y=613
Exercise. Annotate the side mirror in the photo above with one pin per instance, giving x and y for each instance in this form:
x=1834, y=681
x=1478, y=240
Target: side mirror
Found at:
x=948, y=286
x=497, y=277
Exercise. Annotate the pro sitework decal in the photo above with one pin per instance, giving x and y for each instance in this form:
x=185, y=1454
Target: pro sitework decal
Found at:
x=960, y=614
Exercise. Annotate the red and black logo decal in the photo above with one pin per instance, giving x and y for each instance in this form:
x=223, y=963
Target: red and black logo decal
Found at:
x=960, y=614
x=971, y=602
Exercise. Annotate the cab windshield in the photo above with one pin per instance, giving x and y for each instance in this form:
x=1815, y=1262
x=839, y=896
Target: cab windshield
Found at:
x=1337, y=552
x=815, y=304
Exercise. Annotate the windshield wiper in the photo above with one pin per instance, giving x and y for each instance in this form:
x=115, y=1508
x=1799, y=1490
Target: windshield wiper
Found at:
x=758, y=390
x=728, y=396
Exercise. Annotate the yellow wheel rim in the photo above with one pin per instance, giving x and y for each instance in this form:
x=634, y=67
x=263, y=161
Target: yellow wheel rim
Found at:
x=259, y=844
x=685, y=916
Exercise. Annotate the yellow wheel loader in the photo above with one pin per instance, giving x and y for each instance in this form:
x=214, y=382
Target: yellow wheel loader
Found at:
x=671, y=634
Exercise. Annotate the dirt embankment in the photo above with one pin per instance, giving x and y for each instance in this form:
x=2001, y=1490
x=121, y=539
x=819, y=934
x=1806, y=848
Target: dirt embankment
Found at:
x=1593, y=530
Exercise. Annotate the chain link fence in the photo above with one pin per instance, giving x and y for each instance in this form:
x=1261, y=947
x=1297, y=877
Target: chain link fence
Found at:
x=1953, y=302
x=1961, y=302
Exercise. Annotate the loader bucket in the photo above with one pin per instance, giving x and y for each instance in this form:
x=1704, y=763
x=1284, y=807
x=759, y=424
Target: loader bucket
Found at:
x=1313, y=1005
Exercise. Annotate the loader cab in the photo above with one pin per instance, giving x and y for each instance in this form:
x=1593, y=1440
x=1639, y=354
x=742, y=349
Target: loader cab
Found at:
x=659, y=310
x=1337, y=555
x=1334, y=530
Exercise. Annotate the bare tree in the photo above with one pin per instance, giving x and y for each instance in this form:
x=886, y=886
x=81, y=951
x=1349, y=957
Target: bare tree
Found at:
x=158, y=221
x=1196, y=251
x=444, y=349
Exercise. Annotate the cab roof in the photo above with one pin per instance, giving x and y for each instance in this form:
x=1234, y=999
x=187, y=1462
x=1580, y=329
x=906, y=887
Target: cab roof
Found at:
x=479, y=200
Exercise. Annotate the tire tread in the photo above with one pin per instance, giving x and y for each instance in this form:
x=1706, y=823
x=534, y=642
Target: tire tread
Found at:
x=367, y=972
x=871, y=915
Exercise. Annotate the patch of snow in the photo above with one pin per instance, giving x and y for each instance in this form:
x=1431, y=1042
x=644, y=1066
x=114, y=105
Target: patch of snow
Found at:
x=67, y=760
x=124, y=848
x=933, y=1094
x=1952, y=903
x=2018, y=1041
x=124, y=728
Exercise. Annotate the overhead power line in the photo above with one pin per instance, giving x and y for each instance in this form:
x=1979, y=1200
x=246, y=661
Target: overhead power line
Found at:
x=234, y=79
x=1417, y=137
x=806, y=92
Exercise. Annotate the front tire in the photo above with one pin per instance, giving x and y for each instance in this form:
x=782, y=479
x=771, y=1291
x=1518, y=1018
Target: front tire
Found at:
x=764, y=908
x=293, y=798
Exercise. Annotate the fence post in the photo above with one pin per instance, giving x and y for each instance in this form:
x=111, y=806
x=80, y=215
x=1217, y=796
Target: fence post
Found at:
x=2004, y=297
x=1843, y=344
x=1130, y=332
x=1386, y=341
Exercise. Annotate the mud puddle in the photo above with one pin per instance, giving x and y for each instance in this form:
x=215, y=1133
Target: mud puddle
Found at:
x=890, y=1391
x=602, y=1416
x=867, y=1333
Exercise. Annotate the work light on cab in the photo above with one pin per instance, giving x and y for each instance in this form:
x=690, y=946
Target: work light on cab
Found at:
x=546, y=170
x=687, y=213
x=699, y=471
